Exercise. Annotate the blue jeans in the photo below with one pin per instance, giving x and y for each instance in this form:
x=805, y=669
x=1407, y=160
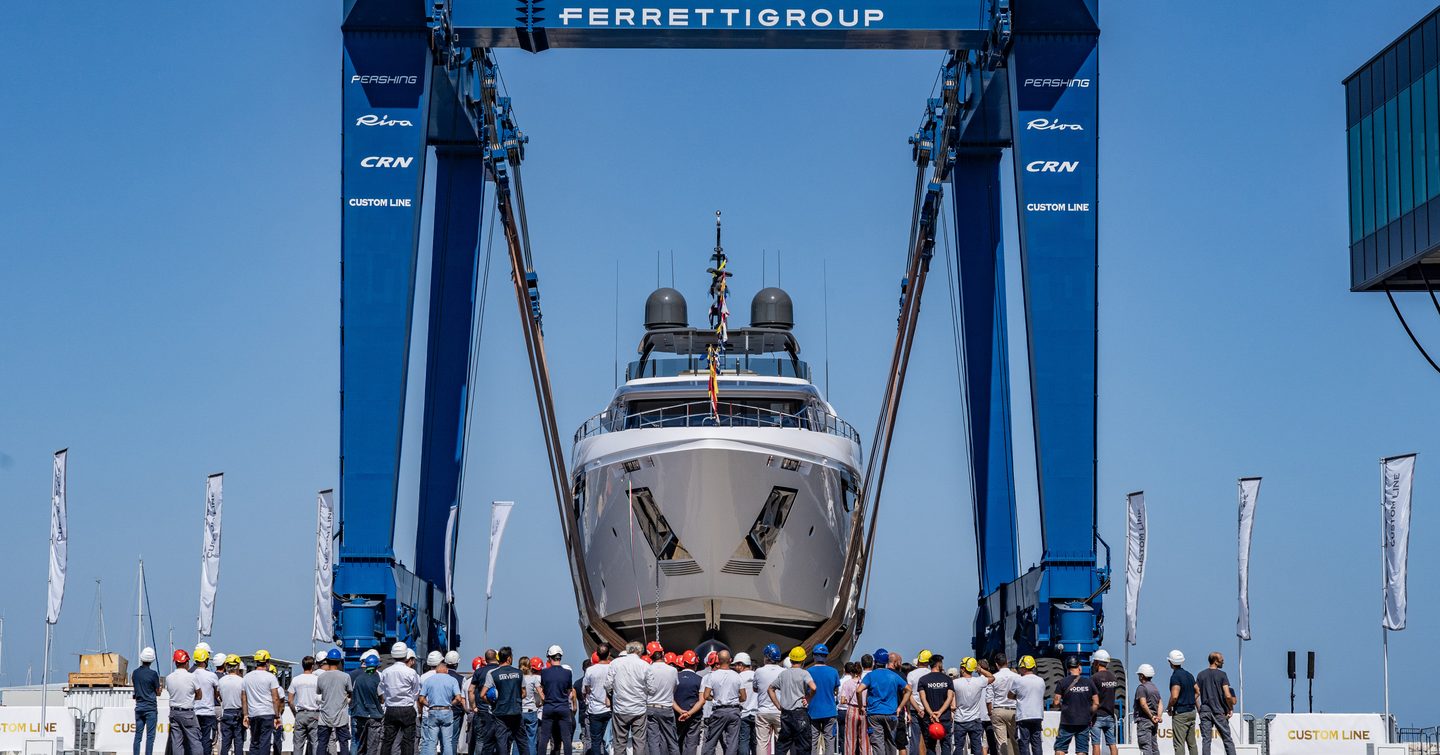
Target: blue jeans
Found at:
x=1102, y=732
x=232, y=734
x=531, y=722
x=1081, y=735
x=438, y=725
x=1028, y=736
x=596, y=722
x=145, y=729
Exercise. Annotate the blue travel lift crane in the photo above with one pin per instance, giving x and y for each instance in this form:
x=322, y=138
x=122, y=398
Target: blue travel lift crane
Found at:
x=1021, y=75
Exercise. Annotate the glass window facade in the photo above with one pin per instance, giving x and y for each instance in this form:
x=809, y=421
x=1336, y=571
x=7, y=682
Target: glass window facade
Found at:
x=1392, y=114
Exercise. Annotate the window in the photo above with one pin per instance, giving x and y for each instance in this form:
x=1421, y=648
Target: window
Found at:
x=1367, y=177
x=657, y=531
x=1417, y=143
x=1392, y=162
x=579, y=495
x=766, y=529
x=1353, y=140
x=1432, y=134
x=1402, y=154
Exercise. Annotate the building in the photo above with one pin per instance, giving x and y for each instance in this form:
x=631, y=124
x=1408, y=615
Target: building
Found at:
x=1392, y=121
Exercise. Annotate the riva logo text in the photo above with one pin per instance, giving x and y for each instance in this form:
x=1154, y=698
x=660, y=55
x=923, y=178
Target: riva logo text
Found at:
x=381, y=120
x=1046, y=124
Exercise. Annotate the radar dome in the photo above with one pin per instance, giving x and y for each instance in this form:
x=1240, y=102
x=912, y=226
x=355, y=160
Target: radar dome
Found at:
x=772, y=308
x=665, y=308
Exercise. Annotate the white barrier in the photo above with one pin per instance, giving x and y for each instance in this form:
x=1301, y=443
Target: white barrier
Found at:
x=1337, y=733
x=21, y=724
x=1051, y=727
x=115, y=730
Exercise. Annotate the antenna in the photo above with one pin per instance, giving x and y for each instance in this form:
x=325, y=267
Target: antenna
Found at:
x=672, y=268
x=777, y=268
x=100, y=609
x=615, y=371
x=139, y=609
x=657, y=268
x=764, y=267
x=825, y=299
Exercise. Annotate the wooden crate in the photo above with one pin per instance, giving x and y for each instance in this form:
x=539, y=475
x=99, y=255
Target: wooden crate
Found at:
x=103, y=663
x=83, y=679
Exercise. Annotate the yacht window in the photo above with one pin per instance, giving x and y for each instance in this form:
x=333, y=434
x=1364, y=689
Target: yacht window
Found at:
x=696, y=411
x=657, y=531
x=766, y=529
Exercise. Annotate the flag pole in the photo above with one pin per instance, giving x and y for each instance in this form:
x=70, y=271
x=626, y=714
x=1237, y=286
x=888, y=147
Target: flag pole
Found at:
x=1384, y=631
x=45, y=684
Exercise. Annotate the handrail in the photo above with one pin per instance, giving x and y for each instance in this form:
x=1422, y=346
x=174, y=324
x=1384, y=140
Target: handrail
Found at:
x=732, y=414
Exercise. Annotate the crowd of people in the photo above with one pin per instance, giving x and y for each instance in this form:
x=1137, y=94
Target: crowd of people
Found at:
x=644, y=700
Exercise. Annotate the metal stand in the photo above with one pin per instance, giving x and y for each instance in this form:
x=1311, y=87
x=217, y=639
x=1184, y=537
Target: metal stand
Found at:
x=45, y=684
x=1240, y=671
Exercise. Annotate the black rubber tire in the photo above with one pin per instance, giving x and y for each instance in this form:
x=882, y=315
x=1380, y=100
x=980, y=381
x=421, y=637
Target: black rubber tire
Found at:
x=1052, y=670
x=1117, y=667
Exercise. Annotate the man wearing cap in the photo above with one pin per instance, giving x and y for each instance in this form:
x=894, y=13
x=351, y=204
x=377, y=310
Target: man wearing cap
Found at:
x=206, y=680
x=1077, y=699
x=230, y=701
x=660, y=678
x=914, y=711
x=791, y=694
x=1106, y=685
x=936, y=693
x=823, y=713
x=438, y=695
x=367, y=712
x=334, y=687
x=1147, y=711
x=184, y=693
x=1217, y=699
x=305, y=705
x=1028, y=692
x=883, y=693
x=748, y=709
x=767, y=716
x=689, y=700
x=722, y=687
x=400, y=689
x=971, y=691
x=145, y=682
x=557, y=705
x=628, y=697
x=1182, y=705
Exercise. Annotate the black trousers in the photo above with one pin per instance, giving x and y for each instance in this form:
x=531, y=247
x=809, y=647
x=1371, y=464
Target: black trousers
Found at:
x=399, y=722
x=510, y=733
x=558, y=728
x=795, y=733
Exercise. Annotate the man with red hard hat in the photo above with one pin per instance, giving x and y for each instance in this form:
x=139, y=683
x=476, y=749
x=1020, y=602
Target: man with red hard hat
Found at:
x=687, y=701
x=660, y=678
x=184, y=690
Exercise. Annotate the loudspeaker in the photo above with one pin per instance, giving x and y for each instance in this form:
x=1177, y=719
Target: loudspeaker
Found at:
x=1290, y=663
x=1310, y=665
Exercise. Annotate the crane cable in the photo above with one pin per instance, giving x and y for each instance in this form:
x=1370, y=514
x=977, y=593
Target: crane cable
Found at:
x=1406, y=326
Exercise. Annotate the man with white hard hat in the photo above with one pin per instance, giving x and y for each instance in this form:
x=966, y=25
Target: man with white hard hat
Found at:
x=1106, y=685
x=1182, y=705
x=1147, y=711
x=438, y=695
x=458, y=710
x=748, y=709
x=557, y=705
x=400, y=689
x=146, y=683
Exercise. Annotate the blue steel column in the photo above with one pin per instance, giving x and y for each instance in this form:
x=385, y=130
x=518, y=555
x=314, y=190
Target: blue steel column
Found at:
x=459, y=202
x=1054, y=105
x=979, y=243
x=385, y=111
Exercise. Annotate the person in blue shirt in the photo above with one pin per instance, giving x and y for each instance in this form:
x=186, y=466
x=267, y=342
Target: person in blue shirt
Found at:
x=822, y=703
x=508, y=684
x=884, y=692
x=438, y=693
x=1182, y=705
x=146, y=682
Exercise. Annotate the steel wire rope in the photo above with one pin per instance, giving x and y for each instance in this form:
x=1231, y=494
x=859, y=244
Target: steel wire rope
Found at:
x=634, y=575
x=1408, y=331
x=1423, y=276
x=962, y=368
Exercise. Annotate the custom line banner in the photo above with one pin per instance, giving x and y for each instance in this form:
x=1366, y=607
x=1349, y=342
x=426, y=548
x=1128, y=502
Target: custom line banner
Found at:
x=1397, y=474
x=499, y=515
x=210, y=552
x=1135, y=549
x=1329, y=733
x=452, y=536
x=324, y=625
x=1249, y=493
x=59, y=538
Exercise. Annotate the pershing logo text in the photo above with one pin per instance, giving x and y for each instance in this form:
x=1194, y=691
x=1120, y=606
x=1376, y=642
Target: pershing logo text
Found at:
x=722, y=18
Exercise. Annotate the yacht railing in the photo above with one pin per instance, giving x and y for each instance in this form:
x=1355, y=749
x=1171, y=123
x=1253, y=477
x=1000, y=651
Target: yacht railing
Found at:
x=699, y=414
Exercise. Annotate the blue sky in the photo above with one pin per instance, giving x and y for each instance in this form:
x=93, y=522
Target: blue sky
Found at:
x=169, y=302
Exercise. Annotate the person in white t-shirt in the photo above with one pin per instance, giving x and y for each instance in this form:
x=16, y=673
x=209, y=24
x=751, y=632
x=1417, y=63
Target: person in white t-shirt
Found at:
x=264, y=704
x=970, y=701
x=184, y=691
x=229, y=693
x=597, y=700
x=767, y=716
x=305, y=705
x=1002, y=707
x=917, y=711
x=722, y=687
x=1028, y=692
x=205, y=713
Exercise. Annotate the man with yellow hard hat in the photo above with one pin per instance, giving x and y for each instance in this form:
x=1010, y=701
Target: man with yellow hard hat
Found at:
x=1028, y=692
x=791, y=694
x=263, y=704
x=917, y=711
x=970, y=697
x=205, y=706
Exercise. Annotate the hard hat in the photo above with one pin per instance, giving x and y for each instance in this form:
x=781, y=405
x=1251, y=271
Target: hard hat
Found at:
x=202, y=655
x=670, y=658
x=924, y=658
x=712, y=658
x=181, y=657
x=435, y=658
x=370, y=661
x=882, y=657
x=937, y=730
x=536, y=664
x=221, y=659
x=1146, y=670
x=334, y=654
x=232, y=660
x=262, y=657
x=1072, y=662
x=797, y=654
x=270, y=667
x=398, y=650
x=743, y=659
x=822, y=650
x=147, y=655
x=952, y=672
x=969, y=664
x=1176, y=657
x=594, y=658
x=477, y=663
x=1100, y=656
x=689, y=658
x=1028, y=662
x=452, y=658
x=409, y=654
x=491, y=694
x=554, y=652
x=203, y=646
x=654, y=647
x=369, y=653
x=772, y=652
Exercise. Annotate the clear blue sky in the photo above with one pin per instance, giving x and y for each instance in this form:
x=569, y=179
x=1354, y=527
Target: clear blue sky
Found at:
x=169, y=308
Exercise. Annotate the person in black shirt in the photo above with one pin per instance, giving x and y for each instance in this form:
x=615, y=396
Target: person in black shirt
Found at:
x=687, y=700
x=1216, y=701
x=557, y=706
x=937, y=698
x=1182, y=705
x=1077, y=700
x=1106, y=684
x=509, y=687
x=146, y=683
x=482, y=720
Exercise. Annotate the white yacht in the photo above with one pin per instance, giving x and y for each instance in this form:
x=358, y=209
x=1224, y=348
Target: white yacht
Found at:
x=733, y=527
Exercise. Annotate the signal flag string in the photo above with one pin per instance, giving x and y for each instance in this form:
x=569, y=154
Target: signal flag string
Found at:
x=719, y=319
